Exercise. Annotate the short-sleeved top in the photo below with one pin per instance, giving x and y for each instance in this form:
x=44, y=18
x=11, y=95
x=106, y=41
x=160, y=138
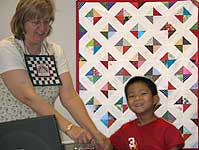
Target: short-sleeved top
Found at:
x=156, y=135
x=12, y=58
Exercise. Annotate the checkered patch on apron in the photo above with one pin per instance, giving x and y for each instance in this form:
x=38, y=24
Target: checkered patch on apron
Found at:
x=42, y=70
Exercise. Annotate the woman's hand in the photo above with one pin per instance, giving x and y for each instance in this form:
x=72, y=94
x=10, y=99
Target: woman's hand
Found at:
x=101, y=142
x=79, y=135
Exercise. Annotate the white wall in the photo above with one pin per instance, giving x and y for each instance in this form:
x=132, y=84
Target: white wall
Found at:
x=63, y=33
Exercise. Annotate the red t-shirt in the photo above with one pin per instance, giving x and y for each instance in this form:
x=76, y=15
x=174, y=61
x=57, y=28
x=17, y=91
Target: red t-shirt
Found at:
x=156, y=135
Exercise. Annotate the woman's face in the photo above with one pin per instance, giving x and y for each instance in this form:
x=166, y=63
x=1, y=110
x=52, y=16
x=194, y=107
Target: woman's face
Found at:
x=37, y=30
x=140, y=98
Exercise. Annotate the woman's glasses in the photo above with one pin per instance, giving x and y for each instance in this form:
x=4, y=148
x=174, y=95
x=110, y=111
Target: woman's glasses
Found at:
x=38, y=22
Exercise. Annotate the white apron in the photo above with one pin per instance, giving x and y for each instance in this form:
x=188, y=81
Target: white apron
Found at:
x=13, y=109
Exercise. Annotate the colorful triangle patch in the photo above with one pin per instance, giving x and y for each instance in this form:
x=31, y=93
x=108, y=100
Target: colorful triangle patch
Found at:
x=169, y=4
x=123, y=16
x=137, y=4
x=121, y=104
x=82, y=61
x=107, y=88
x=185, y=132
x=107, y=61
x=137, y=61
x=168, y=60
x=93, y=104
x=93, y=75
x=182, y=44
x=183, y=74
x=171, y=30
x=152, y=74
x=123, y=74
x=93, y=46
x=108, y=119
x=153, y=45
x=183, y=15
x=182, y=104
x=123, y=45
x=108, y=31
x=169, y=117
x=107, y=5
x=82, y=31
x=194, y=89
x=93, y=16
x=152, y=14
x=138, y=31
x=194, y=59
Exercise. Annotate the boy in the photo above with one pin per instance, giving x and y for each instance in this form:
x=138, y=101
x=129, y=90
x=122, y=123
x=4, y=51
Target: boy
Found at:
x=147, y=132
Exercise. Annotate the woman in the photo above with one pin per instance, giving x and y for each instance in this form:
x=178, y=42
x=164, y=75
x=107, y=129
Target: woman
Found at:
x=34, y=72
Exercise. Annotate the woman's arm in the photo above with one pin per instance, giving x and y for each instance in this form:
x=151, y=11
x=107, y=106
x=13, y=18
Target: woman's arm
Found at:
x=71, y=100
x=19, y=84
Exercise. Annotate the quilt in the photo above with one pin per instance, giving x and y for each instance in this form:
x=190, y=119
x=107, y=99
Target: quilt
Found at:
x=117, y=40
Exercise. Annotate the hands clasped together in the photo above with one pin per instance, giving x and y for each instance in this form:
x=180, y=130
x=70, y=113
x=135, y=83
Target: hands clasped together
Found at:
x=81, y=136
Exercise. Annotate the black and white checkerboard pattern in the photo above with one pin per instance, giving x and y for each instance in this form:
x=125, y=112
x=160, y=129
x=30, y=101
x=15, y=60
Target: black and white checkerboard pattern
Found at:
x=31, y=63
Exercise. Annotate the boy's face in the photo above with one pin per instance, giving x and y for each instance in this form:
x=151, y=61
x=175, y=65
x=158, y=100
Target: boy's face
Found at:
x=140, y=99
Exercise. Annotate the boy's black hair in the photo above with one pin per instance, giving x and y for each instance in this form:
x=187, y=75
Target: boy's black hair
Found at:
x=151, y=85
